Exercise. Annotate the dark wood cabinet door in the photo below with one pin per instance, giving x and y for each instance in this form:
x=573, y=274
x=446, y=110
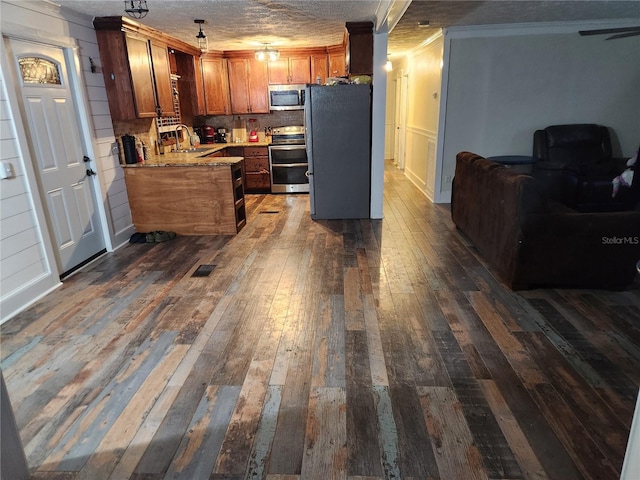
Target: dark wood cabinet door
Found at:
x=257, y=177
x=319, y=68
x=300, y=69
x=239, y=85
x=279, y=71
x=216, y=86
x=248, y=86
x=141, y=76
x=162, y=77
x=258, y=86
x=199, y=87
x=337, y=65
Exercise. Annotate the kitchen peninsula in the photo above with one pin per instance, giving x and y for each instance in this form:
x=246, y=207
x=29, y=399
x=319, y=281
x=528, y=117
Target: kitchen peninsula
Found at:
x=191, y=193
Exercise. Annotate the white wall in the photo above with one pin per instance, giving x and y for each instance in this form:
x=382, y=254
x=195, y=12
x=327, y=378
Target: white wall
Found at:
x=378, y=106
x=424, y=68
x=26, y=256
x=502, y=84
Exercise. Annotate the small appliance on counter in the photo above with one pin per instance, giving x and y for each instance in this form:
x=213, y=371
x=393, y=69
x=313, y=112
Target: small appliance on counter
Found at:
x=206, y=133
x=221, y=135
x=129, y=149
x=253, y=133
x=239, y=131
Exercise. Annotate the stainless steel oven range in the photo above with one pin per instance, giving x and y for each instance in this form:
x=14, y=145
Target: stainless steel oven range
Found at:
x=288, y=160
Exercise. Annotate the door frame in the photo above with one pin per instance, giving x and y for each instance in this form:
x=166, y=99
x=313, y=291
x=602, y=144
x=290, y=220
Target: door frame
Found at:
x=70, y=50
x=400, y=151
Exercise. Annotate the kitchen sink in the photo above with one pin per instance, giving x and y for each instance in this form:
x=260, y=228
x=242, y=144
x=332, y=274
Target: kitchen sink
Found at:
x=194, y=150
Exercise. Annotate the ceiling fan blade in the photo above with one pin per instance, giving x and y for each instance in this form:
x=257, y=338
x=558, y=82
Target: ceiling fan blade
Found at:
x=602, y=31
x=623, y=35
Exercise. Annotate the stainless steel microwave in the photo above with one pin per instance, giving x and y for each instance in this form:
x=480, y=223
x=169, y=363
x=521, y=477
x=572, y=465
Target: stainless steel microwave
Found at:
x=286, y=97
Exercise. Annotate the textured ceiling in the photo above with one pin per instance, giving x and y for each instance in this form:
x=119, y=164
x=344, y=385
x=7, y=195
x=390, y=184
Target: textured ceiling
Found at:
x=246, y=24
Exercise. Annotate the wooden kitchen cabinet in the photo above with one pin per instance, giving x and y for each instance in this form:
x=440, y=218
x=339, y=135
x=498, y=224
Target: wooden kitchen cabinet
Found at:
x=319, y=68
x=248, y=86
x=216, y=86
x=188, y=200
x=337, y=65
x=190, y=86
x=162, y=78
x=360, y=48
x=257, y=178
x=136, y=72
x=290, y=70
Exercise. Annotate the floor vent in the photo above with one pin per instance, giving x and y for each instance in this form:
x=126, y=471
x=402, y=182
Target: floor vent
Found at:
x=271, y=212
x=203, y=271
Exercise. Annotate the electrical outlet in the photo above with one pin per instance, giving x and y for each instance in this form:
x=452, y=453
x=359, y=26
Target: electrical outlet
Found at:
x=6, y=170
x=115, y=149
x=447, y=179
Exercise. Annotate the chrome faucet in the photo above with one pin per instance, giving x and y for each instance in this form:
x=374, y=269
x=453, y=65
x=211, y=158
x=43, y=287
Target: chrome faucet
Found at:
x=178, y=127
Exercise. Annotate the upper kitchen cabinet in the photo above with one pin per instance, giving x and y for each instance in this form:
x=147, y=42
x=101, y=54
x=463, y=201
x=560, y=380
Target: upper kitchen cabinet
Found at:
x=337, y=67
x=248, y=85
x=161, y=78
x=136, y=69
x=190, y=85
x=216, y=86
x=290, y=70
x=319, y=68
x=360, y=48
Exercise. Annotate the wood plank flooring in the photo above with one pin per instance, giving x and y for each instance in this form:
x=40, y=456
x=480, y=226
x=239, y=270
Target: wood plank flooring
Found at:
x=321, y=350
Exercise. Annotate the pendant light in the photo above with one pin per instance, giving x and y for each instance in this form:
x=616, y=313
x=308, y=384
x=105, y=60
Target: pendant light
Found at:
x=203, y=41
x=267, y=54
x=136, y=8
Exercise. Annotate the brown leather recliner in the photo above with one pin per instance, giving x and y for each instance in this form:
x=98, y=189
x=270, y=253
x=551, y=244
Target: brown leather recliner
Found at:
x=576, y=166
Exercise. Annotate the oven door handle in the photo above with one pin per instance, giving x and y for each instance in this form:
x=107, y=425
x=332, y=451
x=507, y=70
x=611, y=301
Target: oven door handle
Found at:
x=287, y=147
x=289, y=165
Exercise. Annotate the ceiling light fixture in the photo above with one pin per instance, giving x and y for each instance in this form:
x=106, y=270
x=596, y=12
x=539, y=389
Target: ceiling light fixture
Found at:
x=203, y=41
x=136, y=8
x=267, y=54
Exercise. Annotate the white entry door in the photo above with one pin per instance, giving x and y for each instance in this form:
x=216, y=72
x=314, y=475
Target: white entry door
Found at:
x=54, y=138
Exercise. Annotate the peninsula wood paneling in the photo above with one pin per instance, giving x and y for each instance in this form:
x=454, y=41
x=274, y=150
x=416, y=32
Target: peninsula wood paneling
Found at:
x=186, y=200
x=359, y=349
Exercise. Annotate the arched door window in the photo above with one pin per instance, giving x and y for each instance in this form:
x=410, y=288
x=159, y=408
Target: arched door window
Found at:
x=39, y=70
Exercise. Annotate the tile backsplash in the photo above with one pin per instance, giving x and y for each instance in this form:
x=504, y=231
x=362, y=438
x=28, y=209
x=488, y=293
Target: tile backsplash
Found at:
x=263, y=120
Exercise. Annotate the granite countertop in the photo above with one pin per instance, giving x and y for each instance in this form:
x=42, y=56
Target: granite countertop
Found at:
x=196, y=158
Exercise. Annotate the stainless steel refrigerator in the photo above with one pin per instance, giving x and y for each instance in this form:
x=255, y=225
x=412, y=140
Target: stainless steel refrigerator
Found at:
x=338, y=141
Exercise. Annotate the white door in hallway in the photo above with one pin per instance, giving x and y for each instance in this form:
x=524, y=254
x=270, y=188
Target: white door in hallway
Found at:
x=56, y=146
x=400, y=119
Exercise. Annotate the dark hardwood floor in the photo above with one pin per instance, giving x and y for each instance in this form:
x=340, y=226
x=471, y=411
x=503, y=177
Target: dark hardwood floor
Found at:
x=321, y=350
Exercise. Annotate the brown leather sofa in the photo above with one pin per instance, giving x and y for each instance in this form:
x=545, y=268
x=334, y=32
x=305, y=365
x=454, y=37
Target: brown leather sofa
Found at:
x=531, y=241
